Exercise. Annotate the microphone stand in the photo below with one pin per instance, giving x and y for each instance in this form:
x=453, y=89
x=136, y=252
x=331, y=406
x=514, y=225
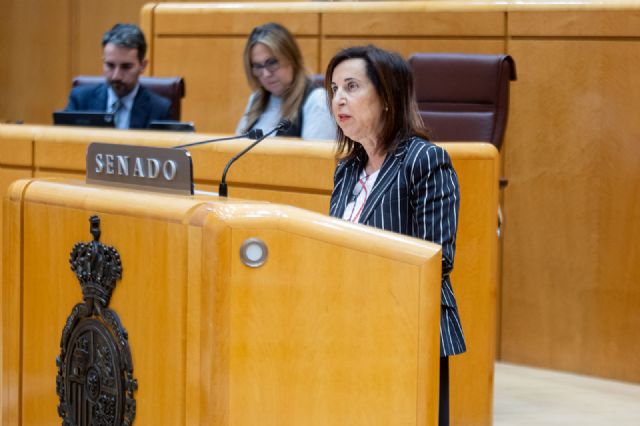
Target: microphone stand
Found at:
x=251, y=134
x=222, y=188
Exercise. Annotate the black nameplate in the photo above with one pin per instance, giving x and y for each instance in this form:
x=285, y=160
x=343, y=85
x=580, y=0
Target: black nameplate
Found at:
x=140, y=167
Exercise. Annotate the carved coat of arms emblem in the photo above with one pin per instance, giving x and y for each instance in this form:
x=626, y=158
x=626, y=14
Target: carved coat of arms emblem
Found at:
x=95, y=380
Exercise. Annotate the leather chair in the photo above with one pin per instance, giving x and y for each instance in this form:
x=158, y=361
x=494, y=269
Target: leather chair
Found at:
x=463, y=97
x=172, y=88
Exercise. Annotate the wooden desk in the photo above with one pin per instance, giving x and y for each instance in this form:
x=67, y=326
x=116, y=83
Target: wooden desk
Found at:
x=300, y=173
x=309, y=337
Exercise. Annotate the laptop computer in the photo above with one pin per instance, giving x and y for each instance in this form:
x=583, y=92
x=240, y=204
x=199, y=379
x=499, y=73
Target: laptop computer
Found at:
x=84, y=118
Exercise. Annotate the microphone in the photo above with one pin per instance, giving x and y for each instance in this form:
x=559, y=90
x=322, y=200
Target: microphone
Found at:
x=284, y=124
x=251, y=134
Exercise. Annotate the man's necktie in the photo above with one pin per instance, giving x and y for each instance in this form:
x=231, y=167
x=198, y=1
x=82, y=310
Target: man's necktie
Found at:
x=117, y=108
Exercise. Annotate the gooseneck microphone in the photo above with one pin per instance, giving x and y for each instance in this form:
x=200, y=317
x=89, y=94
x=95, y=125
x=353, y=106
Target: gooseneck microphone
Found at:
x=251, y=134
x=284, y=124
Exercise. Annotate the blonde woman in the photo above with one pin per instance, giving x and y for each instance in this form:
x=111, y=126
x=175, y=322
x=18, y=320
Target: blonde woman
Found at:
x=274, y=68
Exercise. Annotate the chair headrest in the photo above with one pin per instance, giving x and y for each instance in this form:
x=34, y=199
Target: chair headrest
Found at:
x=455, y=77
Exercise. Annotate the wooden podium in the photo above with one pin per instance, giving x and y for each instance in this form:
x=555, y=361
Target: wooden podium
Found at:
x=339, y=326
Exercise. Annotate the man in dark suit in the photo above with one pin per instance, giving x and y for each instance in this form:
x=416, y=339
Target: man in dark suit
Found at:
x=124, y=48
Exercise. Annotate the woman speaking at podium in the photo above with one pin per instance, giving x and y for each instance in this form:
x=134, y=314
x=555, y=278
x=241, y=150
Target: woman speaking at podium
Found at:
x=390, y=176
x=275, y=70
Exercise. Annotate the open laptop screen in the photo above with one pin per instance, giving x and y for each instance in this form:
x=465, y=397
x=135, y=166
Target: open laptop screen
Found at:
x=84, y=118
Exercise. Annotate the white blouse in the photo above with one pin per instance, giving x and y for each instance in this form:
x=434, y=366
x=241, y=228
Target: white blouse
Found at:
x=361, y=191
x=318, y=121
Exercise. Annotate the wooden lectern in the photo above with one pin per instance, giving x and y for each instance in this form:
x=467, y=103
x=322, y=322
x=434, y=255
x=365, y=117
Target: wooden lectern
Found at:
x=339, y=326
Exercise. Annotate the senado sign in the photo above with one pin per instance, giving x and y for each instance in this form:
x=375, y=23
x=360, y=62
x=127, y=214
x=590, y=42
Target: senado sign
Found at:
x=141, y=167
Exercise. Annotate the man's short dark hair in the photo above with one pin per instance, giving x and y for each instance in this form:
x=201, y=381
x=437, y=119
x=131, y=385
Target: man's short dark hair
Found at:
x=126, y=35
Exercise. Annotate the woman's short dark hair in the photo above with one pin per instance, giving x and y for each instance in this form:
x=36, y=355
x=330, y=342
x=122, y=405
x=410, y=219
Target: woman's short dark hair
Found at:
x=392, y=78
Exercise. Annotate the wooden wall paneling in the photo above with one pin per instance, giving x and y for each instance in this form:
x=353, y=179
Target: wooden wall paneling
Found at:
x=406, y=47
x=209, y=19
x=147, y=25
x=90, y=19
x=217, y=89
x=37, y=54
x=577, y=23
x=178, y=53
x=412, y=23
x=5, y=65
x=569, y=298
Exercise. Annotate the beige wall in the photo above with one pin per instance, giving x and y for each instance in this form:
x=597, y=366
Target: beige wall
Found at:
x=571, y=299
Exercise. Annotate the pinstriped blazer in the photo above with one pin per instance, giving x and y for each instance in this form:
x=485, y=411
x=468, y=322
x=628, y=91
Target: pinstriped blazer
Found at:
x=416, y=193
